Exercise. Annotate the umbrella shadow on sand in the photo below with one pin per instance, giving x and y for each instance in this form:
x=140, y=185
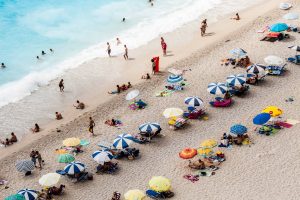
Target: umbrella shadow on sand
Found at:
x=289, y=39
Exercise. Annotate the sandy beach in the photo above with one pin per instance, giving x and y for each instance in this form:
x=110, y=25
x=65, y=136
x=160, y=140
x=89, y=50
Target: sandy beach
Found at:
x=268, y=169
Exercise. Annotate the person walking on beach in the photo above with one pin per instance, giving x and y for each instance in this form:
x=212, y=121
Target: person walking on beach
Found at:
x=203, y=27
x=39, y=158
x=126, y=52
x=163, y=46
x=108, y=49
x=61, y=85
x=33, y=157
x=91, y=126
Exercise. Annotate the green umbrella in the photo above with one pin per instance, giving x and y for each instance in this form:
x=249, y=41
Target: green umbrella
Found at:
x=15, y=197
x=65, y=158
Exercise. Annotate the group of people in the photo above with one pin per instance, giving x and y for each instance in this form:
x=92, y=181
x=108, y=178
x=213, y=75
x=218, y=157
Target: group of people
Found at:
x=10, y=141
x=125, y=55
x=44, y=53
x=119, y=89
x=36, y=156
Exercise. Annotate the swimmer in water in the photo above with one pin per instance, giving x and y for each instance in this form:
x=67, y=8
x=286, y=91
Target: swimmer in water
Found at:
x=51, y=50
x=123, y=20
x=43, y=53
x=3, y=65
x=38, y=57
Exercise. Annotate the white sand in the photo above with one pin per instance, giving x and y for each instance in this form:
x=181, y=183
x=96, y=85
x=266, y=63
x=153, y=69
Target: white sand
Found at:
x=269, y=169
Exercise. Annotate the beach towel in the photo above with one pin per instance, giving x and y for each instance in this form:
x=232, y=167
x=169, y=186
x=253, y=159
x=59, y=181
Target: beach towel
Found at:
x=192, y=178
x=164, y=93
x=292, y=121
x=284, y=124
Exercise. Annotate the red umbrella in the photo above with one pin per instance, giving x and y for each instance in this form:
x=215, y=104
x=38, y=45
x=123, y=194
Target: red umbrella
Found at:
x=188, y=153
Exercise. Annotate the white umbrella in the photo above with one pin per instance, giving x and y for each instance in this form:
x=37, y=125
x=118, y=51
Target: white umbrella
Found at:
x=291, y=16
x=285, y=6
x=172, y=112
x=49, y=179
x=273, y=60
x=133, y=94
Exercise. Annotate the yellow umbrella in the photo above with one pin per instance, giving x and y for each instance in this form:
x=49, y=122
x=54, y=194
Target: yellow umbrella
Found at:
x=134, y=195
x=172, y=112
x=160, y=184
x=208, y=144
x=205, y=152
x=71, y=142
x=274, y=111
x=49, y=179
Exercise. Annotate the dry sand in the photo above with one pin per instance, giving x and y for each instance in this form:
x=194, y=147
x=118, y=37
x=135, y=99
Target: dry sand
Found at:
x=269, y=169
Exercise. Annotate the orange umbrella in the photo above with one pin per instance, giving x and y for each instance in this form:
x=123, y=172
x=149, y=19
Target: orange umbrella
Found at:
x=188, y=153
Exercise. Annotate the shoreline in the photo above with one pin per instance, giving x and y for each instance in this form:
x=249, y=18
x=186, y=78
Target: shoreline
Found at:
x=181, y=49
x=258, y=171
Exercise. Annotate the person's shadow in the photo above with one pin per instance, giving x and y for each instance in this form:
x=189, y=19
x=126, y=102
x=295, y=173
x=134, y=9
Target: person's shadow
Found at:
x=209, y=34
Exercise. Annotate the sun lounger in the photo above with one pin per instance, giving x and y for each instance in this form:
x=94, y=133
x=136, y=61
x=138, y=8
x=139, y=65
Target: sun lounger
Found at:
x=275, y=70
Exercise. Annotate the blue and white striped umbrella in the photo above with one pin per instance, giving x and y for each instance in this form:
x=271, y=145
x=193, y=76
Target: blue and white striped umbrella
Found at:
x=123, y=141
x=102, y=156
x=74, y=168
x=238, y=52
x=149, y=127
x=25, y=166
x=236, y=80
x=28, y=194
x=193, y=101
x=217, y=88
x=174, y=78
x=256, y=69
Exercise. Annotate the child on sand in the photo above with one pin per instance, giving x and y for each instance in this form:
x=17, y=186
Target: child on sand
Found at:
x=237, y=17
x=36, y=128
x=58, y=116
x=147, y=76
x=80, y=105
x=13, y=138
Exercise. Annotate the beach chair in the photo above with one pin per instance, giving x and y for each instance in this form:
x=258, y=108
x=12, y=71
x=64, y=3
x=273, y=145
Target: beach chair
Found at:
x=223, y=103
x=295, y=59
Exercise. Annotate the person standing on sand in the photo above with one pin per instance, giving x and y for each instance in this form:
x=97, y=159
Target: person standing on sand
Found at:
x=91, y=126
x=108, y=49
x=39, y=158
x=203, y=27
x=126, y=52
x=163, y=46
x=33, y=157
x=118, y=41
x=61, y=85
x=153, y=66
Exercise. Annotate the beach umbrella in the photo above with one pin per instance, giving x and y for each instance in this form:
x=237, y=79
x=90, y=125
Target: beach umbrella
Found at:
x=217, y=88
x=123, y=141
x=102, y=156
x=15, y=197
x=261, y=118
x=28, y=194
x=84, y=142
x=71, y=142
x=273, y=60
x=25, y=166
x=149, y=127
x=210, y=143
x=74, y=168
x=236, y=80
x=160, y=184
x=238, y=52
x=291, y=16
x=132, y=95
x=174, y=79
x=274, y=111
x=188, y=153
x=238, y=129
x=193, y=101
x=256, y=69
x=285, y=6
x=172, y=112
x=134, y=195
x=279, y=27
x=205, y=151
x=49, y=180
x=65, y=158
